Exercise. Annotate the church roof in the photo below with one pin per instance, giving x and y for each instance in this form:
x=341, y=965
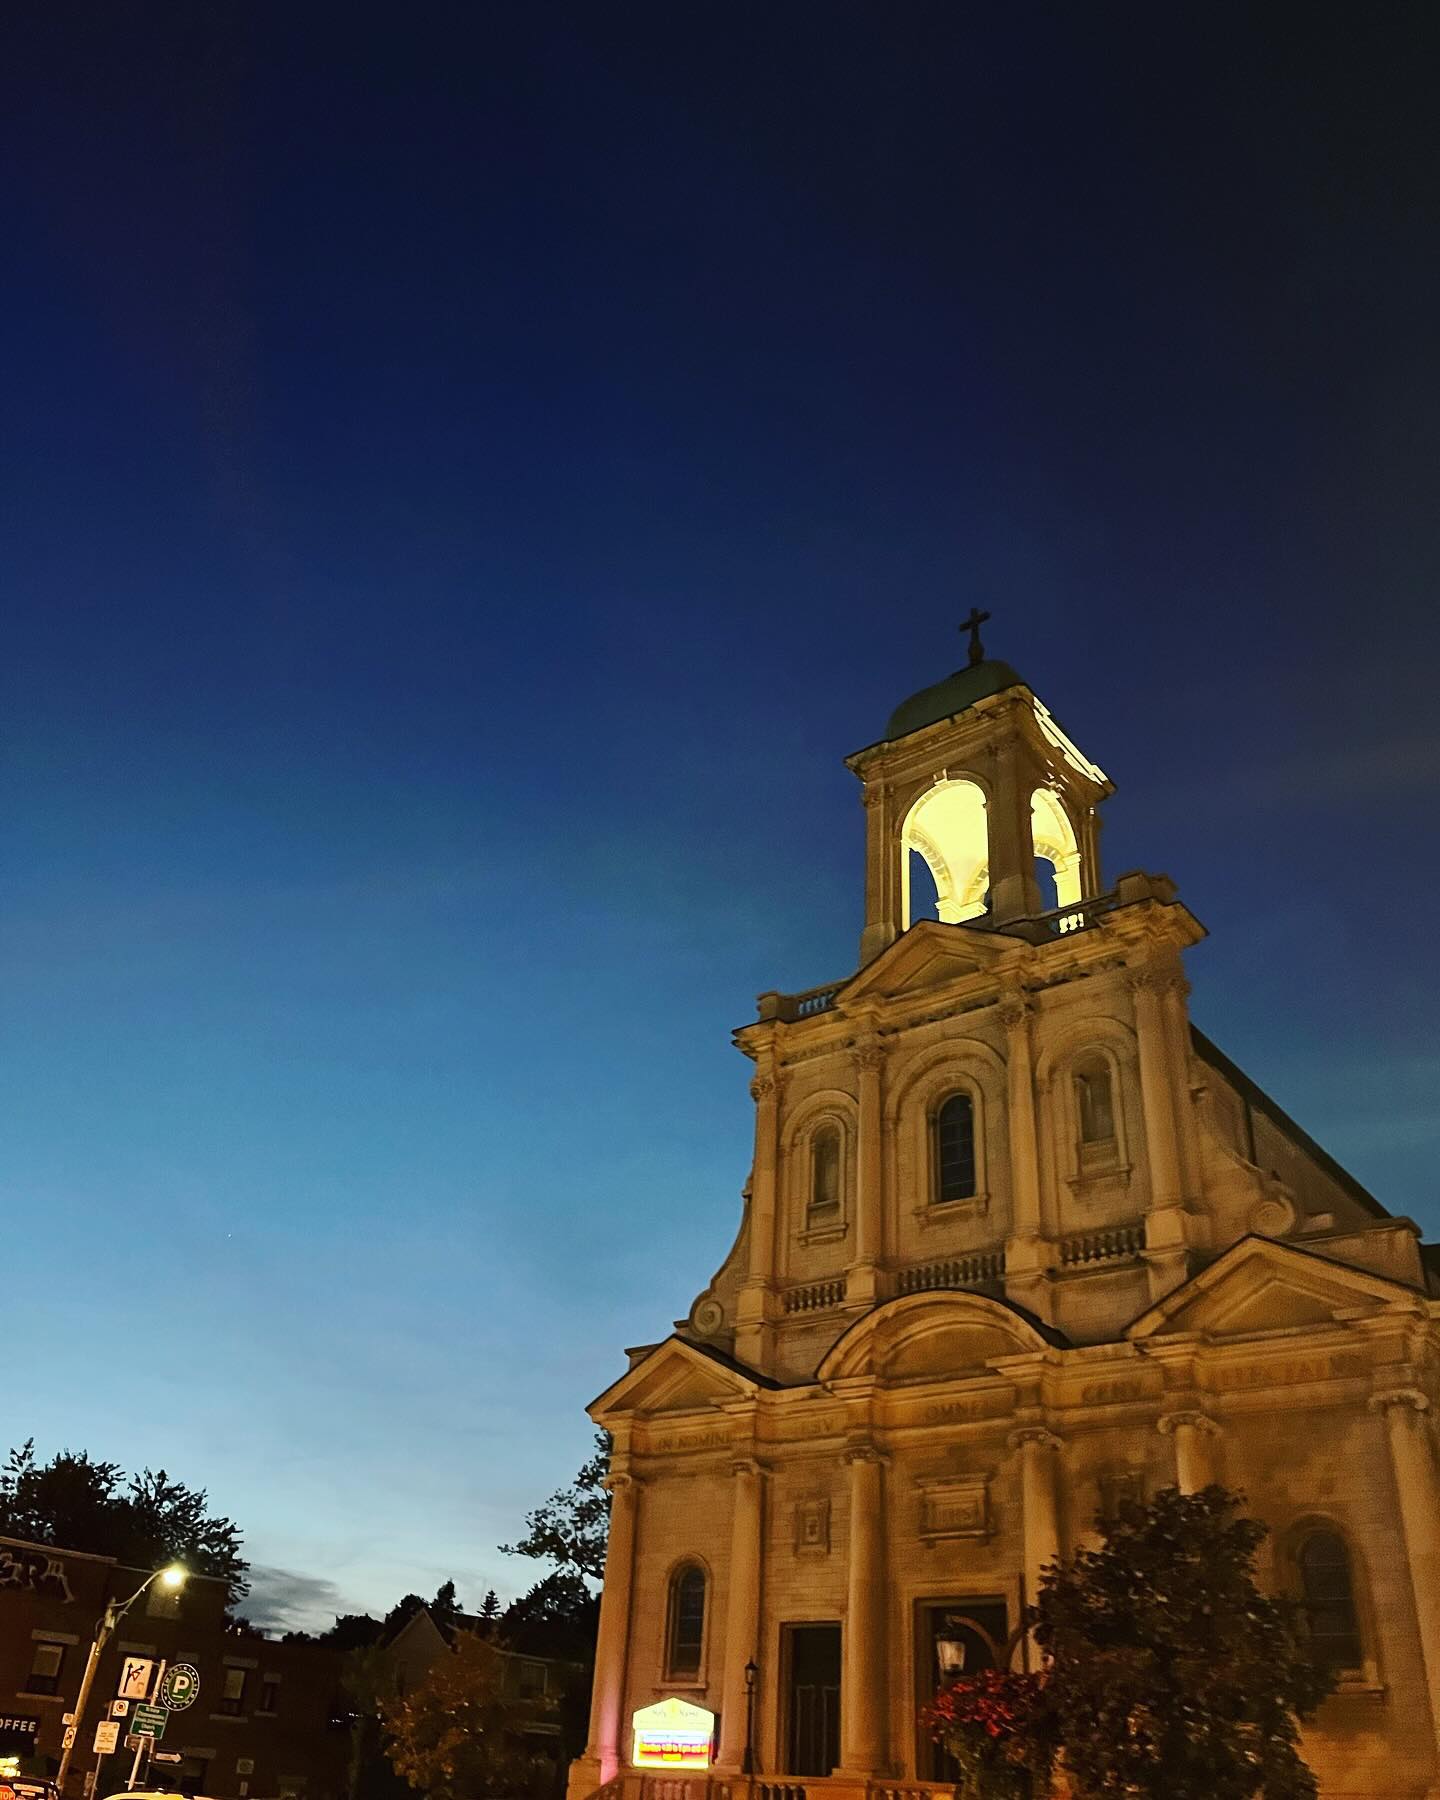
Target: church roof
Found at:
x=953, y=695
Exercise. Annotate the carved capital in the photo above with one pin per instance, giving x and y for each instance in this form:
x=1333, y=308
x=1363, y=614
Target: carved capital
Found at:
x=872, y=793
x=868, y=1055
x=747, y=1465
x=865, y=1453
x=1197, y=1421
x=1143, y=981
x=621, y=1483
x=766, y=1087
x=1015, y=1010
x=1410, y=1397
x=1034, y=1434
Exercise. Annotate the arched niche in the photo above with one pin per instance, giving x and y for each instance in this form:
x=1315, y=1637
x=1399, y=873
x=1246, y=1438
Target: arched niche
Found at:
x=931, y=1336
x=1052, y=833
x=947, y=826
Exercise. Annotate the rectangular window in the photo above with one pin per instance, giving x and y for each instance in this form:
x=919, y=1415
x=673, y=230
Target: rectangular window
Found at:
x=532, y=1680
x=955, y=1149
x=269, y=1694
x=232, y=1692
x=45, y=1667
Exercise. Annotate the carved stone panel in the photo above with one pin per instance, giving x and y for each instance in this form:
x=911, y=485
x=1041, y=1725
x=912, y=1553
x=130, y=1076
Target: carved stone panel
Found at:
x=955, y=1506
x=812, y=1527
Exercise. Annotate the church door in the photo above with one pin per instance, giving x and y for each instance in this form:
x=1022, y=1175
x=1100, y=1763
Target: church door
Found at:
x=812, y=1727
x=952, y=1637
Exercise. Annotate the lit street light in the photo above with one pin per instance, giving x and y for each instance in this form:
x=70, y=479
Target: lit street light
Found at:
x=172, y=1577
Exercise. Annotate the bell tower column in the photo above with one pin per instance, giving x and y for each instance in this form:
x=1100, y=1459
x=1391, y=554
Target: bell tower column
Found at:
x=1014, y=891
x=883, y=923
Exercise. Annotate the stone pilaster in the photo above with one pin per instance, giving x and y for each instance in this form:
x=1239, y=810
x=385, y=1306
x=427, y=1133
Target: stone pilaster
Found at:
x=862, y=1282
x=865, y=1685
x=742, y=1613
x=1196, y=1436
x=1165, y=1238
x=1412, y=1453
x=756, y=1307
x=1039, y=1500
x=607, y=1749
x=1025, y=1256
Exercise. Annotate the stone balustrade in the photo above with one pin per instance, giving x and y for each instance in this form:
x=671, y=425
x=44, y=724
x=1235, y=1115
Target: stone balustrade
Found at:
x=1102, y=1246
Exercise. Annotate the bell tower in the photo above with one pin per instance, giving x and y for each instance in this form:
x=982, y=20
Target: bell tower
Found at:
x=977, y=778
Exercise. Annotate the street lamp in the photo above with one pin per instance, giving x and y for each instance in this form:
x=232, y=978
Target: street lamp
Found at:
x=752, y=1672
x=172, y=1576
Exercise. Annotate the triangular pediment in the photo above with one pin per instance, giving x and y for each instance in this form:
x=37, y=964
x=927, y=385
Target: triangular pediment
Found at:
x=674, y=1378
x=930, y=955
x=1258, y=1286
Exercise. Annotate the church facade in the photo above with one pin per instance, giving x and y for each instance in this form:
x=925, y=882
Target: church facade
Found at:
x=1018, y=1240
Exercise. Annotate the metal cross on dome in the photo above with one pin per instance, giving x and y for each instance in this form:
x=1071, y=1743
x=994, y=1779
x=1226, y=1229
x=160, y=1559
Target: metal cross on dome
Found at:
x=972, y=625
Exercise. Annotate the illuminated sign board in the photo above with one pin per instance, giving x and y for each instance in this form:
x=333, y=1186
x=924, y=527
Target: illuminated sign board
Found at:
x=672, y=1734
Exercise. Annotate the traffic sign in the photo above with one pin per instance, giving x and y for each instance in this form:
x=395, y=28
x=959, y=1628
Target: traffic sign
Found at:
x=107, y=1737
x=135, y=1675
x=69, y=1737
x=149, y=1721
x=179, y=1686
x=167, y=1756
x=119, y=1708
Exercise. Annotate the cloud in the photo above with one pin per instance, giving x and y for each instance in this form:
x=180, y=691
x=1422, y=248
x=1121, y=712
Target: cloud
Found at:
x=282, y=1600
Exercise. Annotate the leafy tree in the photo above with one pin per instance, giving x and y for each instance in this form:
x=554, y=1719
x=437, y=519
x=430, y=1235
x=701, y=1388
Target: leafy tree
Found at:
x=572, y=1526
x=1171, y=1676
x=444, y=1609
x=453, y=1736
x=77, y=1504
x=401, y=1613
x=558, y=1617
x=351, y=1631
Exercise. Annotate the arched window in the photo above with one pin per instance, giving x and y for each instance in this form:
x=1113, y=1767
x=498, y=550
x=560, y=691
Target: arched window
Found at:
x=1093, y=1102
x=955, y=1149
x=685, y=1633
x=1327, y=1599
x=825, y=1172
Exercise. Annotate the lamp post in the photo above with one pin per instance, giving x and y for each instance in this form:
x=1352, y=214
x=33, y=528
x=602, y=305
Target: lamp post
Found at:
x=173, y=1577
x=752, y=1672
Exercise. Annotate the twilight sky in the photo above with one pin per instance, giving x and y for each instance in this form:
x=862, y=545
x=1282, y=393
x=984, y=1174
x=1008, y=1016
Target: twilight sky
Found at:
x=468, y=475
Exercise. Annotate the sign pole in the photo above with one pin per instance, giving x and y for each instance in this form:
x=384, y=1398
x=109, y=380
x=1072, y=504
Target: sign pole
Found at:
x=140, y=1747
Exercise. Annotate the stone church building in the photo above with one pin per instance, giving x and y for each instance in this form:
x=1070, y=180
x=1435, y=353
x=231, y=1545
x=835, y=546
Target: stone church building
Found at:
x=1018, y=1240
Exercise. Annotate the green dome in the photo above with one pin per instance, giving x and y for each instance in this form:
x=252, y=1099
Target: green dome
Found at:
x=950, y=696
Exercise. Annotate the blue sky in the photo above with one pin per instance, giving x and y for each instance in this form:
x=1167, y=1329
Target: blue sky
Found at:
x=467, y=480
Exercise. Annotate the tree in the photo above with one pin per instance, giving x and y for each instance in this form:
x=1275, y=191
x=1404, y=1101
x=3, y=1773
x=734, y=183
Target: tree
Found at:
x=453, y=1736
x=558, y=1617
x=1171, y=1676
x=444, y=1609
x=77, y=1504
x=489, y=1612
x=572, y=1526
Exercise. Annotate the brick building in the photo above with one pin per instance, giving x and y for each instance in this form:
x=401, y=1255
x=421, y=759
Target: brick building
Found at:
x=271, y=1718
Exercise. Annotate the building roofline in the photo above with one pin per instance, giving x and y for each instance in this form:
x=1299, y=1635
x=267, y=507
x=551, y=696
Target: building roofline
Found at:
x=1254, y=1095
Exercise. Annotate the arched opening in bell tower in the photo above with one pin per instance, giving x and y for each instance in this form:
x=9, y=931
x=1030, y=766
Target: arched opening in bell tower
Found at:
x=947, y=830
x=1057, y=849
